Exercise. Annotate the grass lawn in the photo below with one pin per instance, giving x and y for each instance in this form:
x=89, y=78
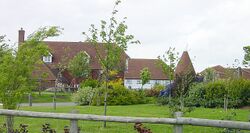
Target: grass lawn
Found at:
x=146, y=110
x=47, y=97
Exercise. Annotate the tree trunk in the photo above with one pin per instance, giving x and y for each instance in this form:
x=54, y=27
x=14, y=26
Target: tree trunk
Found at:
x=170, y=93
x=10, y=124
x=105, y=98
x=105, y=107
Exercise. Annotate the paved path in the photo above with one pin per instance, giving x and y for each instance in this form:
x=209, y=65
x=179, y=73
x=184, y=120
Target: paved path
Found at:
x=49, y=104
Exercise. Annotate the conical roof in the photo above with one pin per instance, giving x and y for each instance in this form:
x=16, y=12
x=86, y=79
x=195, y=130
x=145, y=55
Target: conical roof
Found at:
x=185, y=65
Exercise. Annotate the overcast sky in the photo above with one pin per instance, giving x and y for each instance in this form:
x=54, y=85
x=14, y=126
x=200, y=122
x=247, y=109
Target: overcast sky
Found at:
x=212, y=31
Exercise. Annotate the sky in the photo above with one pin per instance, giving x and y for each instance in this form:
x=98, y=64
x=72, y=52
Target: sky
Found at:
x=212, y=31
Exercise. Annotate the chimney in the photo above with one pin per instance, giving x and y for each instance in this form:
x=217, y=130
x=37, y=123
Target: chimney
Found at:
x=21, y=34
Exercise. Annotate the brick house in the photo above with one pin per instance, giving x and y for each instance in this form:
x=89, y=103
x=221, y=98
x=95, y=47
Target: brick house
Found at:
x=220, y=72
x=62, y=52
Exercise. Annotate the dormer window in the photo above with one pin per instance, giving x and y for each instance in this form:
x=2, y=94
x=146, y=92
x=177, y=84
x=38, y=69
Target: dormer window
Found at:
x=47, y=59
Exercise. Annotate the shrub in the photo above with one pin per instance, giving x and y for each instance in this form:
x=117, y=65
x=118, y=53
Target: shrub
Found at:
x=212, y=94
x=239, y=92
x=196, y=95
x=84, y=96
x=155, y=91
x=119, y=95
x=89, y=83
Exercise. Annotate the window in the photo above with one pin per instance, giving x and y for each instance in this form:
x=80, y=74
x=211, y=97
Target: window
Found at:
x=138, y=81
x=128, y=81
x=157, y=82
x=47, y=59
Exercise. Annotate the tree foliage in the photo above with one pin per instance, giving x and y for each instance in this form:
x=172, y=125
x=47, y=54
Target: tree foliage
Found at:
x=168, y=62
x=79, y=65
x=16, y=67
x=113, y=38
x=209, y=75
x=145, y=76
x=247, y=54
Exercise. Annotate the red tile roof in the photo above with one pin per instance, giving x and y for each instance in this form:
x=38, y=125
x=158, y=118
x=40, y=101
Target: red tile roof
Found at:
x=221, y=72
x=62, y=52
x=245, y=73
x=67, y=50
x=136, y=65
x=185, y=65
x=42, y=69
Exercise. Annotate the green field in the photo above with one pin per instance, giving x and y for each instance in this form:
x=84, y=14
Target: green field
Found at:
x=147, y=110
x=47, y=97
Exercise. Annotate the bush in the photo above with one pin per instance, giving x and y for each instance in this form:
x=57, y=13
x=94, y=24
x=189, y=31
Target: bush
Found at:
x=89, y=83
x=155, y=91
x=84, y=96
x=212, y=94
x=119, y=95
x=196, y=95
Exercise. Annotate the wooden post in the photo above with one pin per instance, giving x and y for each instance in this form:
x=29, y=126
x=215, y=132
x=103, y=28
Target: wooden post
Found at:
x=73, y=123
x=178, y=128
x=30, y=100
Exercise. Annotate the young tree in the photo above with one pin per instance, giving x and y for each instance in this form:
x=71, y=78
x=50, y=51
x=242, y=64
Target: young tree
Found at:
x=114, y=41
x=168, y=62
x=184, y=76
x=79, y=65
x=182, y=84
x=60, y=67
x=145, y=76
x=16, y=68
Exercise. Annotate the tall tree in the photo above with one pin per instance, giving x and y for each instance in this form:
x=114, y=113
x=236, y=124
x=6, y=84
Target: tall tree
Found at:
x=16, y=68
x=114, y=40
x=145, y=76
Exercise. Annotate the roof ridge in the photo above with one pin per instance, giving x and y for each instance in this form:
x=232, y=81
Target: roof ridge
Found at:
x=67, y=42
x=142, y=59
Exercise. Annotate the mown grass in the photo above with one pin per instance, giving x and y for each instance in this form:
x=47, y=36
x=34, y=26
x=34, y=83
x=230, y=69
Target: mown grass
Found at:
x=147, y=110
x=47, y=97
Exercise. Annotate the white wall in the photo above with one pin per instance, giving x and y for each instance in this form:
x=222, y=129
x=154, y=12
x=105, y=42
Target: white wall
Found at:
x=136, y=83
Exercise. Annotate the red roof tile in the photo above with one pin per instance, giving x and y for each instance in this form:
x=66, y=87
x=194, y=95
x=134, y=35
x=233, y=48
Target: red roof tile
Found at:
x=185, y=65
x=42, y=69
x=136, y=65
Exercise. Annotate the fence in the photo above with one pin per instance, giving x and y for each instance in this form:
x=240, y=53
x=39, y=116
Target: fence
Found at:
x=177, y=122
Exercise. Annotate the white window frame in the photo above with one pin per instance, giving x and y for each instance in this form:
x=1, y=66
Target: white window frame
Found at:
x=47, y=59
